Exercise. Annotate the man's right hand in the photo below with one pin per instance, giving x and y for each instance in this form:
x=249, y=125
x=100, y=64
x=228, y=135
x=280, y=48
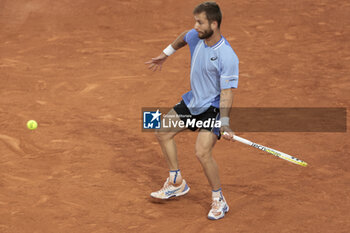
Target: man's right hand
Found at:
x=228, y=133
x=157, y=62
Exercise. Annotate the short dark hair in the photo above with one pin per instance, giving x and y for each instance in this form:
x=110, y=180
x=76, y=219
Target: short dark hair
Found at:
x=212, y=11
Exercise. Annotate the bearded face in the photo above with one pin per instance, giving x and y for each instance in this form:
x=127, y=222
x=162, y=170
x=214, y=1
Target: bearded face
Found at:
x=203, y=26
x=206, y=33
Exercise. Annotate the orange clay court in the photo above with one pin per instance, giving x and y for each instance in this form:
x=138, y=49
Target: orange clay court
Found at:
x=77, y=68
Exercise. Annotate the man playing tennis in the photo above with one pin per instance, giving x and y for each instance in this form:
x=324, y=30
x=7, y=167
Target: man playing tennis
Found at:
x=214, y=73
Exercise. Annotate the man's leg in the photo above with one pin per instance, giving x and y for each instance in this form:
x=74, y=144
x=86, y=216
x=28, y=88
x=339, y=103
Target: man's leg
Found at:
x=166, y=140
x=204, y=146
x=174, y=185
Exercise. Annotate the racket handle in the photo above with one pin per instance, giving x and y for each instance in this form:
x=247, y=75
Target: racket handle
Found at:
x=242, y=140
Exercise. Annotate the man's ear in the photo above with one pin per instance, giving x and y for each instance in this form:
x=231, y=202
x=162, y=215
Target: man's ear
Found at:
x=214, y=25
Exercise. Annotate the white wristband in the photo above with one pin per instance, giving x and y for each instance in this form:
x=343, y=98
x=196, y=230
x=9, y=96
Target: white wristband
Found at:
x=225, y=121
x=169, y=50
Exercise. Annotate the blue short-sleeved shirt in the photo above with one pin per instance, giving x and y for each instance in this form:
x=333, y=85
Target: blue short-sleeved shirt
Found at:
x=212, y=69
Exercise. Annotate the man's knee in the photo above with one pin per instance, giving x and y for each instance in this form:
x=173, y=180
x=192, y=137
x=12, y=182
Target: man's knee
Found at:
x=203, y=153
x=163, y=136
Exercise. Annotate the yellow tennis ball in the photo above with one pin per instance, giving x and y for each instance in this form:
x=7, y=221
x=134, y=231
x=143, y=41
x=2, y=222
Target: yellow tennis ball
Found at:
x=32, y=124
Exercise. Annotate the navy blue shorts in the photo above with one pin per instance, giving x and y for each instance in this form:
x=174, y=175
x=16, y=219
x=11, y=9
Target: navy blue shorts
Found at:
x=210, y=115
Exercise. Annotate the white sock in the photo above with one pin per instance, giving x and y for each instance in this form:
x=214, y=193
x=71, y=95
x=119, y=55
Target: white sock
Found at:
x=217, y=193
x=175, y=176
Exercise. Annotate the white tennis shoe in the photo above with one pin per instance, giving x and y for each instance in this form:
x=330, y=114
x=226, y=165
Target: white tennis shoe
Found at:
x=218, y=208
x=169, y=190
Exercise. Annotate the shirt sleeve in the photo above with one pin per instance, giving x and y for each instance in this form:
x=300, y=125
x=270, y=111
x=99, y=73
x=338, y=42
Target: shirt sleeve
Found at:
x=192, y=39
x=229, y=71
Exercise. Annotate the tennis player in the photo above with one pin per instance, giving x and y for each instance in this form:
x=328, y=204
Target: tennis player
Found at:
x=214, y=75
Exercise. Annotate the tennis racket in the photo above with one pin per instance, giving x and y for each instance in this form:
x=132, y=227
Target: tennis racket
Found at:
x=274, y=152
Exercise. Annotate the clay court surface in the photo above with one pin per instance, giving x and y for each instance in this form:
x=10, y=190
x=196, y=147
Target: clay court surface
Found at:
x=77, y=68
